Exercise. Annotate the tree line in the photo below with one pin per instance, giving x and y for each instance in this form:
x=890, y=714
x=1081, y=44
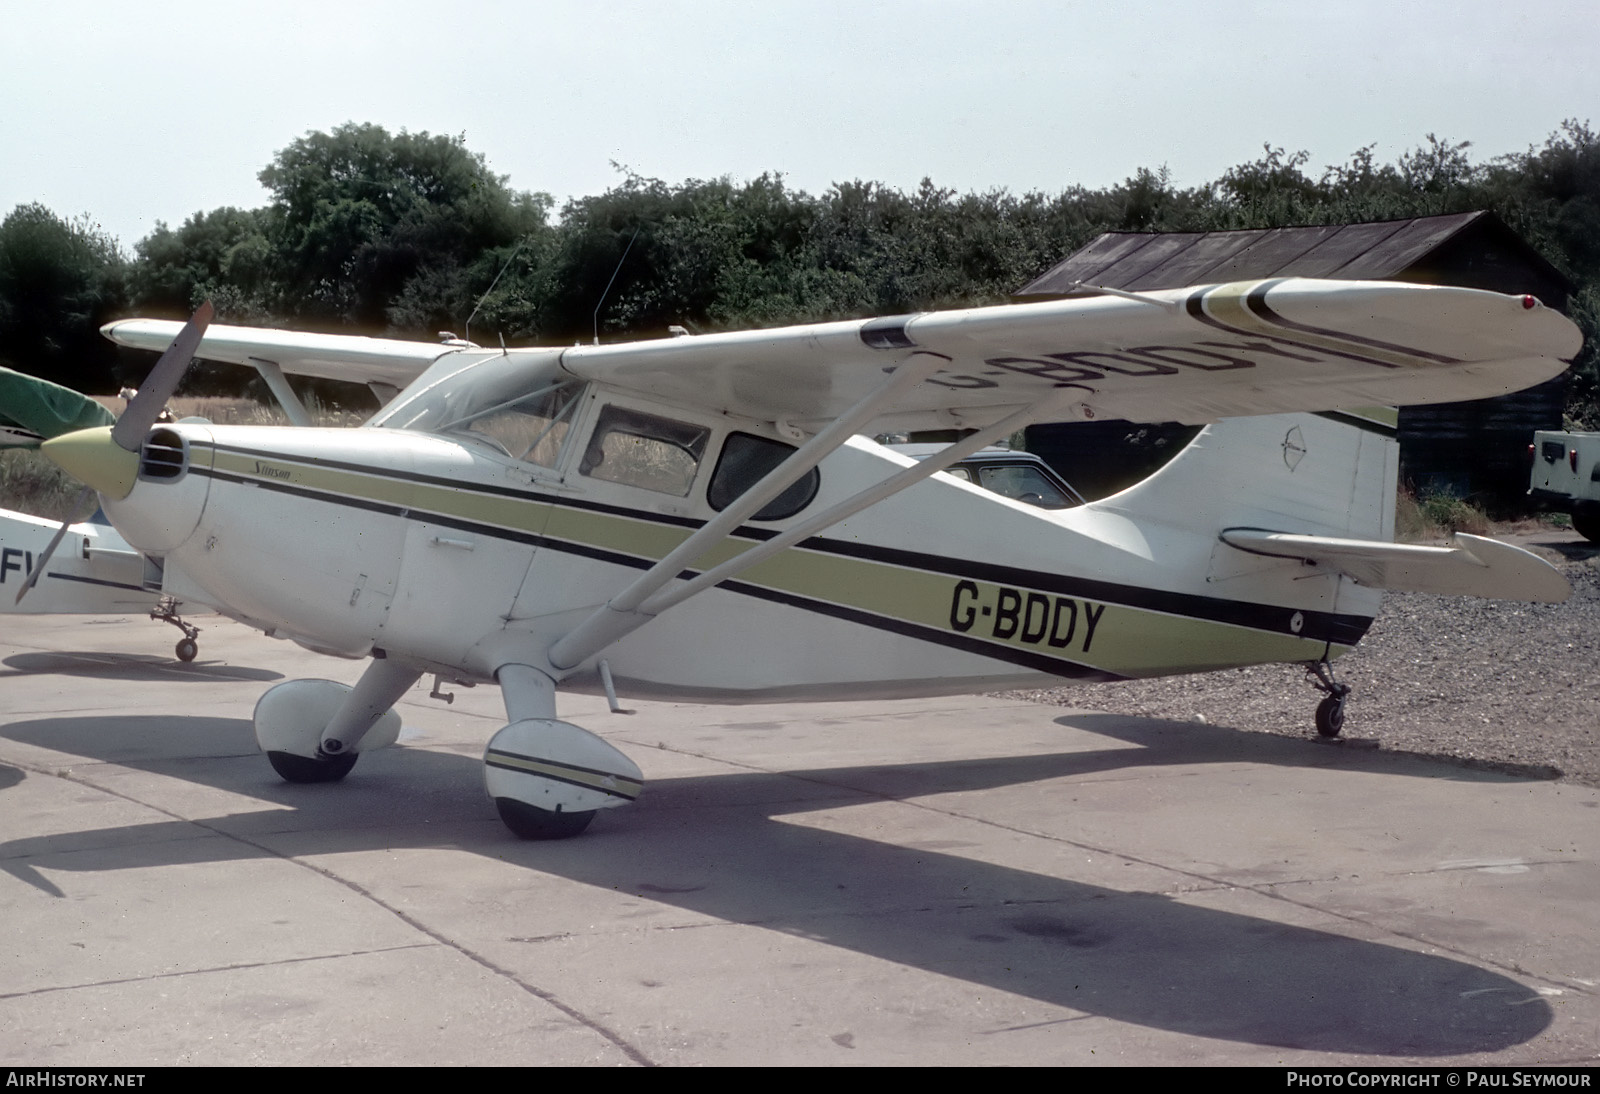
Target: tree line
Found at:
x=410, y=234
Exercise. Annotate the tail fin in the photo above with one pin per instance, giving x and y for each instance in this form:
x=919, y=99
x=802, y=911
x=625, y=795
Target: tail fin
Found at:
x=1330, y=474
x=1288, y=492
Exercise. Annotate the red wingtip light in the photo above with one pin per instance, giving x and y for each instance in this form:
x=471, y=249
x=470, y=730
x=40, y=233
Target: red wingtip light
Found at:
x=1529, y=302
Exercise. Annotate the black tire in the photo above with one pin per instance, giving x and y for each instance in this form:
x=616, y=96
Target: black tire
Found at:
x=1330, y=716
x=188, y=649
x=530, y=822
x=299, y=769
x=1586, y=522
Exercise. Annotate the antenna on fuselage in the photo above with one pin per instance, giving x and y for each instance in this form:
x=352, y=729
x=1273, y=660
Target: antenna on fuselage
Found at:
x=613, y=281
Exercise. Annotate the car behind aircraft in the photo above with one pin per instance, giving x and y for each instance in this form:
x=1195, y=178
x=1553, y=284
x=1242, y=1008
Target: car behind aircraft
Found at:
x=1020, y=476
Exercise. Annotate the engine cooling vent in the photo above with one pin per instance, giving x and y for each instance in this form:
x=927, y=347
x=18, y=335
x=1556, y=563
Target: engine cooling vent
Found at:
x=165, y=457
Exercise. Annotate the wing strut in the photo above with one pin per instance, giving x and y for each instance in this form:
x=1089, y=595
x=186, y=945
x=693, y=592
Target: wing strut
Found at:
x=620, y=614
x=1053, y=407
x=272, y=373
x=607, y=626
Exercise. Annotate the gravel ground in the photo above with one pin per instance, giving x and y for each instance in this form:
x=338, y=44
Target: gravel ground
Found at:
x=1515, y=687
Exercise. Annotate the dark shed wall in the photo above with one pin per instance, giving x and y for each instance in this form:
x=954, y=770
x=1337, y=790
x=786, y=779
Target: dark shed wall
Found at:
x=1477, y=448
x=1480, y=448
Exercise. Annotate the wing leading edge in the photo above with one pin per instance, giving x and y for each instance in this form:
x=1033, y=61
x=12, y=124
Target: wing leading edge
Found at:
x=354, y=358
x=1188, y=355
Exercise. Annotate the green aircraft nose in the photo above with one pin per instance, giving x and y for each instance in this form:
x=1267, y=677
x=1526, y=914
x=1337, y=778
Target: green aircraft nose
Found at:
x=93, y=458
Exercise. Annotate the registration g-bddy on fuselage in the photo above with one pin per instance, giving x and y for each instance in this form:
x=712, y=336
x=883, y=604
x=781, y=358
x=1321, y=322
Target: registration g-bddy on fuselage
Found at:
x=702, y=518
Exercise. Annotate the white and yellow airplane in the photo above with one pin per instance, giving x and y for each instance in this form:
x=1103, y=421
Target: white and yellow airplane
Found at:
x=701, y=518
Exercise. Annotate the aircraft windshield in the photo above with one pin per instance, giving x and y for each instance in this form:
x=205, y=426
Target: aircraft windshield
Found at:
x=509, y=399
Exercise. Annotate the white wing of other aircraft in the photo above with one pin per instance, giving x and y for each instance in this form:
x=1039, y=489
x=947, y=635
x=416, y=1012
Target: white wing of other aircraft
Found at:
x=328, y=356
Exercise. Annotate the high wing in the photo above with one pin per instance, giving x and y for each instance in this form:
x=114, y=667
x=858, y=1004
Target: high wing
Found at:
x=1188, y=355
x=328, y=356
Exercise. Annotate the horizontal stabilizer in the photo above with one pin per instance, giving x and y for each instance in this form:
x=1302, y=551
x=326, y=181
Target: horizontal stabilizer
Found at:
x=1474, y=566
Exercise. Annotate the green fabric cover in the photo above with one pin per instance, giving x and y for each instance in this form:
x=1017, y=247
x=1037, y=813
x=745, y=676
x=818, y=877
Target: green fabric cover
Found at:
x=38, y=406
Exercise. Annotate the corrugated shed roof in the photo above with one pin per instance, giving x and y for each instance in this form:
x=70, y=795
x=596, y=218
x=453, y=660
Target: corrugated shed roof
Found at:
x=1172, y=260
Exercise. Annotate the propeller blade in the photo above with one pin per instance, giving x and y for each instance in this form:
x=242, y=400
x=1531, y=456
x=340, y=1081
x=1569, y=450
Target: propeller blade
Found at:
x=163, y=380
x=55, y=541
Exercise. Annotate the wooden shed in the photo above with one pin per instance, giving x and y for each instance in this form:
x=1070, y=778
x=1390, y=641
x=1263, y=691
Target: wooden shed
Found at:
x=1476, y=449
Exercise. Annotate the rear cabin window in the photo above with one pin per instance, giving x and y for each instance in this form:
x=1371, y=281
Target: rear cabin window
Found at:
x=642, y=450
x=746, y=459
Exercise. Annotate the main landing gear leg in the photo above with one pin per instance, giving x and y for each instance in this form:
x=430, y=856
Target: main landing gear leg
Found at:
x=166, y=611
x=1330, y=712
x=313, y=730
x=547, y=778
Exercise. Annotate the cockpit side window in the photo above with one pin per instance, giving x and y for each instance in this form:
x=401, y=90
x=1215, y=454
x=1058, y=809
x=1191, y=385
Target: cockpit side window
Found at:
x=746, y=459
x=638, y=449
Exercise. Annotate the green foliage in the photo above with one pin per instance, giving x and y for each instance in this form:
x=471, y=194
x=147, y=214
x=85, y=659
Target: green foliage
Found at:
x=223, y=256
x=408, y=234
x=59, y=281
x=1435, y=515
x=358, y=215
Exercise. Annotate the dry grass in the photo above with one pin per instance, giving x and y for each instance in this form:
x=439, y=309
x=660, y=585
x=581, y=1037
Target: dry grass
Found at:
x=31, y=484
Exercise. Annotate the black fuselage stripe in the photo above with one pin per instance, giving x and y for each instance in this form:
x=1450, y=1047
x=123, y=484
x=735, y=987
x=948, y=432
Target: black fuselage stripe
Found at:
x=1055, y=666
x=97, y=581
x=1188, y=604
x=1265, y=617
x=1322, y=626
x=397, y=475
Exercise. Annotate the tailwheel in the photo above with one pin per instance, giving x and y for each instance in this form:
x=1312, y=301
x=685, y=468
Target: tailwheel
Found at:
x=1330, y=712
x=322, y=769
x=187, y=649
x=1330, y=715
x=530, y=822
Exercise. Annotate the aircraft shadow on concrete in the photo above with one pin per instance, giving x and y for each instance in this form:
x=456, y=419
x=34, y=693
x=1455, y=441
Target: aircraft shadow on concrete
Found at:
x=718, y=846
x=1169, y=742
x=142, y=667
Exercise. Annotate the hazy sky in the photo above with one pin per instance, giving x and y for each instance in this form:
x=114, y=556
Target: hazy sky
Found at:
x=136, y=112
